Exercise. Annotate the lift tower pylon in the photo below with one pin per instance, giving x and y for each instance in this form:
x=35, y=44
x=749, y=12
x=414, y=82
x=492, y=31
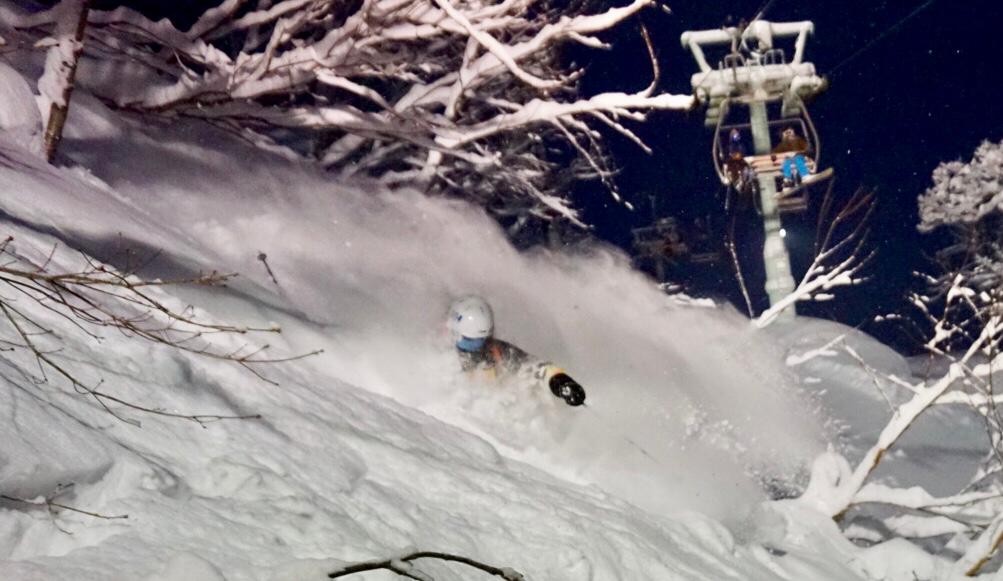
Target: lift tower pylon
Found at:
x=755, y=74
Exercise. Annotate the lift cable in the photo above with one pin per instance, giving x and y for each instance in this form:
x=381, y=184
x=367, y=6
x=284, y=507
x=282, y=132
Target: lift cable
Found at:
x=762, y=11
x=882, y=36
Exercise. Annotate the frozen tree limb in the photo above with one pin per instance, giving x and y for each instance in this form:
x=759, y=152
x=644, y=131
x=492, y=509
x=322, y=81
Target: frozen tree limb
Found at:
x=904, y=416
x=984, y=547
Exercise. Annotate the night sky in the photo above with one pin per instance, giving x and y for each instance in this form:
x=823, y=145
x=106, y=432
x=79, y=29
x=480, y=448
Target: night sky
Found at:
x=928, y=91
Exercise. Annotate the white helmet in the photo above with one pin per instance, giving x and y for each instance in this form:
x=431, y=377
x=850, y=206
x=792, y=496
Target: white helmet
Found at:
x=471, y=322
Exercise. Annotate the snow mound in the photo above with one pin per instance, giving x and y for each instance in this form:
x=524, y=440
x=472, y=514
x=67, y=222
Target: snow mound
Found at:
x=849, y=372
x=20, y=119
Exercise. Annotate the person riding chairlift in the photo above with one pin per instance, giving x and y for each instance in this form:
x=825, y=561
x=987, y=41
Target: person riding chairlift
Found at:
x=471, y=323
x=735, y=144
x=740, y=174
x=790, y=141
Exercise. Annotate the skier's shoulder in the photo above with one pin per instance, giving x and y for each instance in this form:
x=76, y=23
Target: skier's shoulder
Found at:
x=504, y=350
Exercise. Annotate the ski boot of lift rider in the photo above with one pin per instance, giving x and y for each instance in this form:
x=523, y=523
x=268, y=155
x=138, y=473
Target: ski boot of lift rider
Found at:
x=795, y=169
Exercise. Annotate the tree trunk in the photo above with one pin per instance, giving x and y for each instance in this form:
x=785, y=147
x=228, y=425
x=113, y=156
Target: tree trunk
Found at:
x=57, y=81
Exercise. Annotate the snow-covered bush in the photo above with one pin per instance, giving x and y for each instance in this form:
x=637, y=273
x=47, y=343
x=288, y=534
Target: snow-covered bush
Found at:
x=463, y=97
x=964, y=193
x=966, y=199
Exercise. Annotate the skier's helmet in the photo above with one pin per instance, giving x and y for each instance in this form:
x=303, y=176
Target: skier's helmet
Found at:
x=471, y=322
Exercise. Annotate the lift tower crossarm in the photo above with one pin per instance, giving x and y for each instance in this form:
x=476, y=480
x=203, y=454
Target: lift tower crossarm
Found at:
x=760, y=30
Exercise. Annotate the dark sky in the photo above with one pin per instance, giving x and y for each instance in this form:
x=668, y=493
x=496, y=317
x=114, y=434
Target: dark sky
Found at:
x=929, y=91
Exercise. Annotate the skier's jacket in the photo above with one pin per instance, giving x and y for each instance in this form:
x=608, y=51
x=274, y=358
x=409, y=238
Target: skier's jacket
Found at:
x=499, y=359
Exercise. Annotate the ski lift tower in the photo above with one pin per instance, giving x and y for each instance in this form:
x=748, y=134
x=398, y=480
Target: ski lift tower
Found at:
x=755, y=76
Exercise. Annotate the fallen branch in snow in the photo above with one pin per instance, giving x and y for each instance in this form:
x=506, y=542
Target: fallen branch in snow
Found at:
x=98, y=297
x=979, y=508
x=961, y=324
x=839, y=257
x=51, y=506
x=963, y=371
x=404, y=567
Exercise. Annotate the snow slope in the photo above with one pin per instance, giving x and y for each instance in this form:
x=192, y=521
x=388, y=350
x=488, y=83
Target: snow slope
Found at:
x=373, y=274
x=378, y=444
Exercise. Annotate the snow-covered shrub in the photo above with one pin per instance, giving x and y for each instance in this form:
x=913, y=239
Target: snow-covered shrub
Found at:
x=966, y=200
x=964, y=193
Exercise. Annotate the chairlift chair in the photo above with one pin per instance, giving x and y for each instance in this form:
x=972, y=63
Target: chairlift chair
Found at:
x=790, y=199
x=745, y=76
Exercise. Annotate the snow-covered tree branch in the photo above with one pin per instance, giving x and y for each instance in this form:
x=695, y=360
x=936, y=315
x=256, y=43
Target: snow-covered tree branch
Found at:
x=840, y=257
x=962, y=309
x=464, y=97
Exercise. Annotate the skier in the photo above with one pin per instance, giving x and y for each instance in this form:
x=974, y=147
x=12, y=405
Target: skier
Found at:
x=790, y=141
x=471, y=324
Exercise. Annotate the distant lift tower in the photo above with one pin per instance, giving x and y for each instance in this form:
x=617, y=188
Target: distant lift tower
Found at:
x=756, y=77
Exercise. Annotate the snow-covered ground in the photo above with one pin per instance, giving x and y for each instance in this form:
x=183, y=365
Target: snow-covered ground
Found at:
x=379, y=444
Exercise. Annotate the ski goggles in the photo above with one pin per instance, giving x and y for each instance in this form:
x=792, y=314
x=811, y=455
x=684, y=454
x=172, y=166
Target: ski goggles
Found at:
x=470, y=345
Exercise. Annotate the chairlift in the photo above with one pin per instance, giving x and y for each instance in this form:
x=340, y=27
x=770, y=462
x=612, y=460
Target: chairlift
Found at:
x=756, y=78
x=791, y=198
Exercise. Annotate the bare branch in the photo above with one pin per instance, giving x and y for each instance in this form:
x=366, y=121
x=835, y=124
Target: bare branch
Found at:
x=840, y=257
x=98, y=297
